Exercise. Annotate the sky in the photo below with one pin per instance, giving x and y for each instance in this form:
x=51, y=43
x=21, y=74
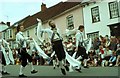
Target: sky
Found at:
x=15, y=10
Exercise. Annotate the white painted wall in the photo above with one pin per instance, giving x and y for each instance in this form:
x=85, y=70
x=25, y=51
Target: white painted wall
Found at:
x=61, y=21
x=3, y=27
x=104, y=19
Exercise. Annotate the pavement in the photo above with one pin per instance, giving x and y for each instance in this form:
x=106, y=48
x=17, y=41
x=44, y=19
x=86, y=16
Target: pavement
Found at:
x=48, y=71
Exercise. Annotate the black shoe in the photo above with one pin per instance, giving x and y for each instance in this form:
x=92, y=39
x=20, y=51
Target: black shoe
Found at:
x=63, y=71
x=53, y=67
x=5, y=73
x=78, y=70
x=86, y=67
x=2, y=72
x=34, y=71
x=66, y=67
x=22, y=75
x=57, y=65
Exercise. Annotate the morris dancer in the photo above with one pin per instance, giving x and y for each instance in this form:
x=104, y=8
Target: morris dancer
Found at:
x=54, y=60
x=80, y=47
x=57, y=45
x=4, y=58
x=21, y=40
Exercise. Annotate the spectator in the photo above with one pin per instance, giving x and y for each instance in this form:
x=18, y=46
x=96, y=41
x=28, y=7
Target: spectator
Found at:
x=101, y=52
x=70, y=46
x=91, y=61
x=112, y=45
x=107, y=41
x=107, y=55
x=96, y=43
x=103, y=40
x=118, y=53
x=112, y=59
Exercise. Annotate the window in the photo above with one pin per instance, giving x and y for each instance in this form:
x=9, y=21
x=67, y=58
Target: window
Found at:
x=93, y=35
x=7, y=34
x=113, y=8
x=35, y=30
x=3, y=35
x=10, y=33
x=95, y=14
x=70, y=24
x=28, y=34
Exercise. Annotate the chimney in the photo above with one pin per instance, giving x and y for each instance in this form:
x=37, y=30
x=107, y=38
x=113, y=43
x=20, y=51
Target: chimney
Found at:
x=43, y=7
x=8, y=24
x=2, y=22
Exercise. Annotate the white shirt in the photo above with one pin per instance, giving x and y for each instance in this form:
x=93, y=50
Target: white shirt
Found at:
x=21, y=39
x=118, y=46
x=56, y=36
x=50, y=33
x=70, y=46
x=108, y=53
x=79, y=38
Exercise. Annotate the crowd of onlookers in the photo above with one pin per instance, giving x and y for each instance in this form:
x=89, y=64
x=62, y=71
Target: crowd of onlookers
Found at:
x=105, y=51
x=37, y=59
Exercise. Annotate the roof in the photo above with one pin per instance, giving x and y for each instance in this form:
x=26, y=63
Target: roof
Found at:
x=2, y=23
x=22, y=20
x=49, y=13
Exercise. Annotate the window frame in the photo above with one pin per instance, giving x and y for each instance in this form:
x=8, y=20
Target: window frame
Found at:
x=8, y=36
x=97, y=15
x=90, y=35
x=28, y=33
x=4, y=35
x=70, y=26
x=10, y=33
x=35, y=30
x=110, y=12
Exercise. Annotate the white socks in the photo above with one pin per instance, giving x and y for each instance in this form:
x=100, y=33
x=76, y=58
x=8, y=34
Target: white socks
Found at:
x=21, y=70
x=54, y=63
x=31, y=65
x=70, y=68
x=37, y=62
x=4, y=68
x=85, y=62
x=64, y=62
x=61, y=65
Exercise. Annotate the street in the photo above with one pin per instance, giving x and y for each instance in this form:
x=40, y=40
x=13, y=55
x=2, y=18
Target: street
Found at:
x=48, y=71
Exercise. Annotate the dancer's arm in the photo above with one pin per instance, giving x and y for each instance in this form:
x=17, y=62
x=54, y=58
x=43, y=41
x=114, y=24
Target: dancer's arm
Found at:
x=70, y=32
x=41, y=30
x=77, y=41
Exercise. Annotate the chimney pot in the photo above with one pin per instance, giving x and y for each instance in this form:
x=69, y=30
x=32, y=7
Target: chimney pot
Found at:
x=43, y=7
x=8, y=23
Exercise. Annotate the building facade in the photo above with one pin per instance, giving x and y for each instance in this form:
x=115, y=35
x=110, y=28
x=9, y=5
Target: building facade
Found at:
x=102, y=18
x=3, y=26
x=9, y=35
x=68, y=18
x=67, y=15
